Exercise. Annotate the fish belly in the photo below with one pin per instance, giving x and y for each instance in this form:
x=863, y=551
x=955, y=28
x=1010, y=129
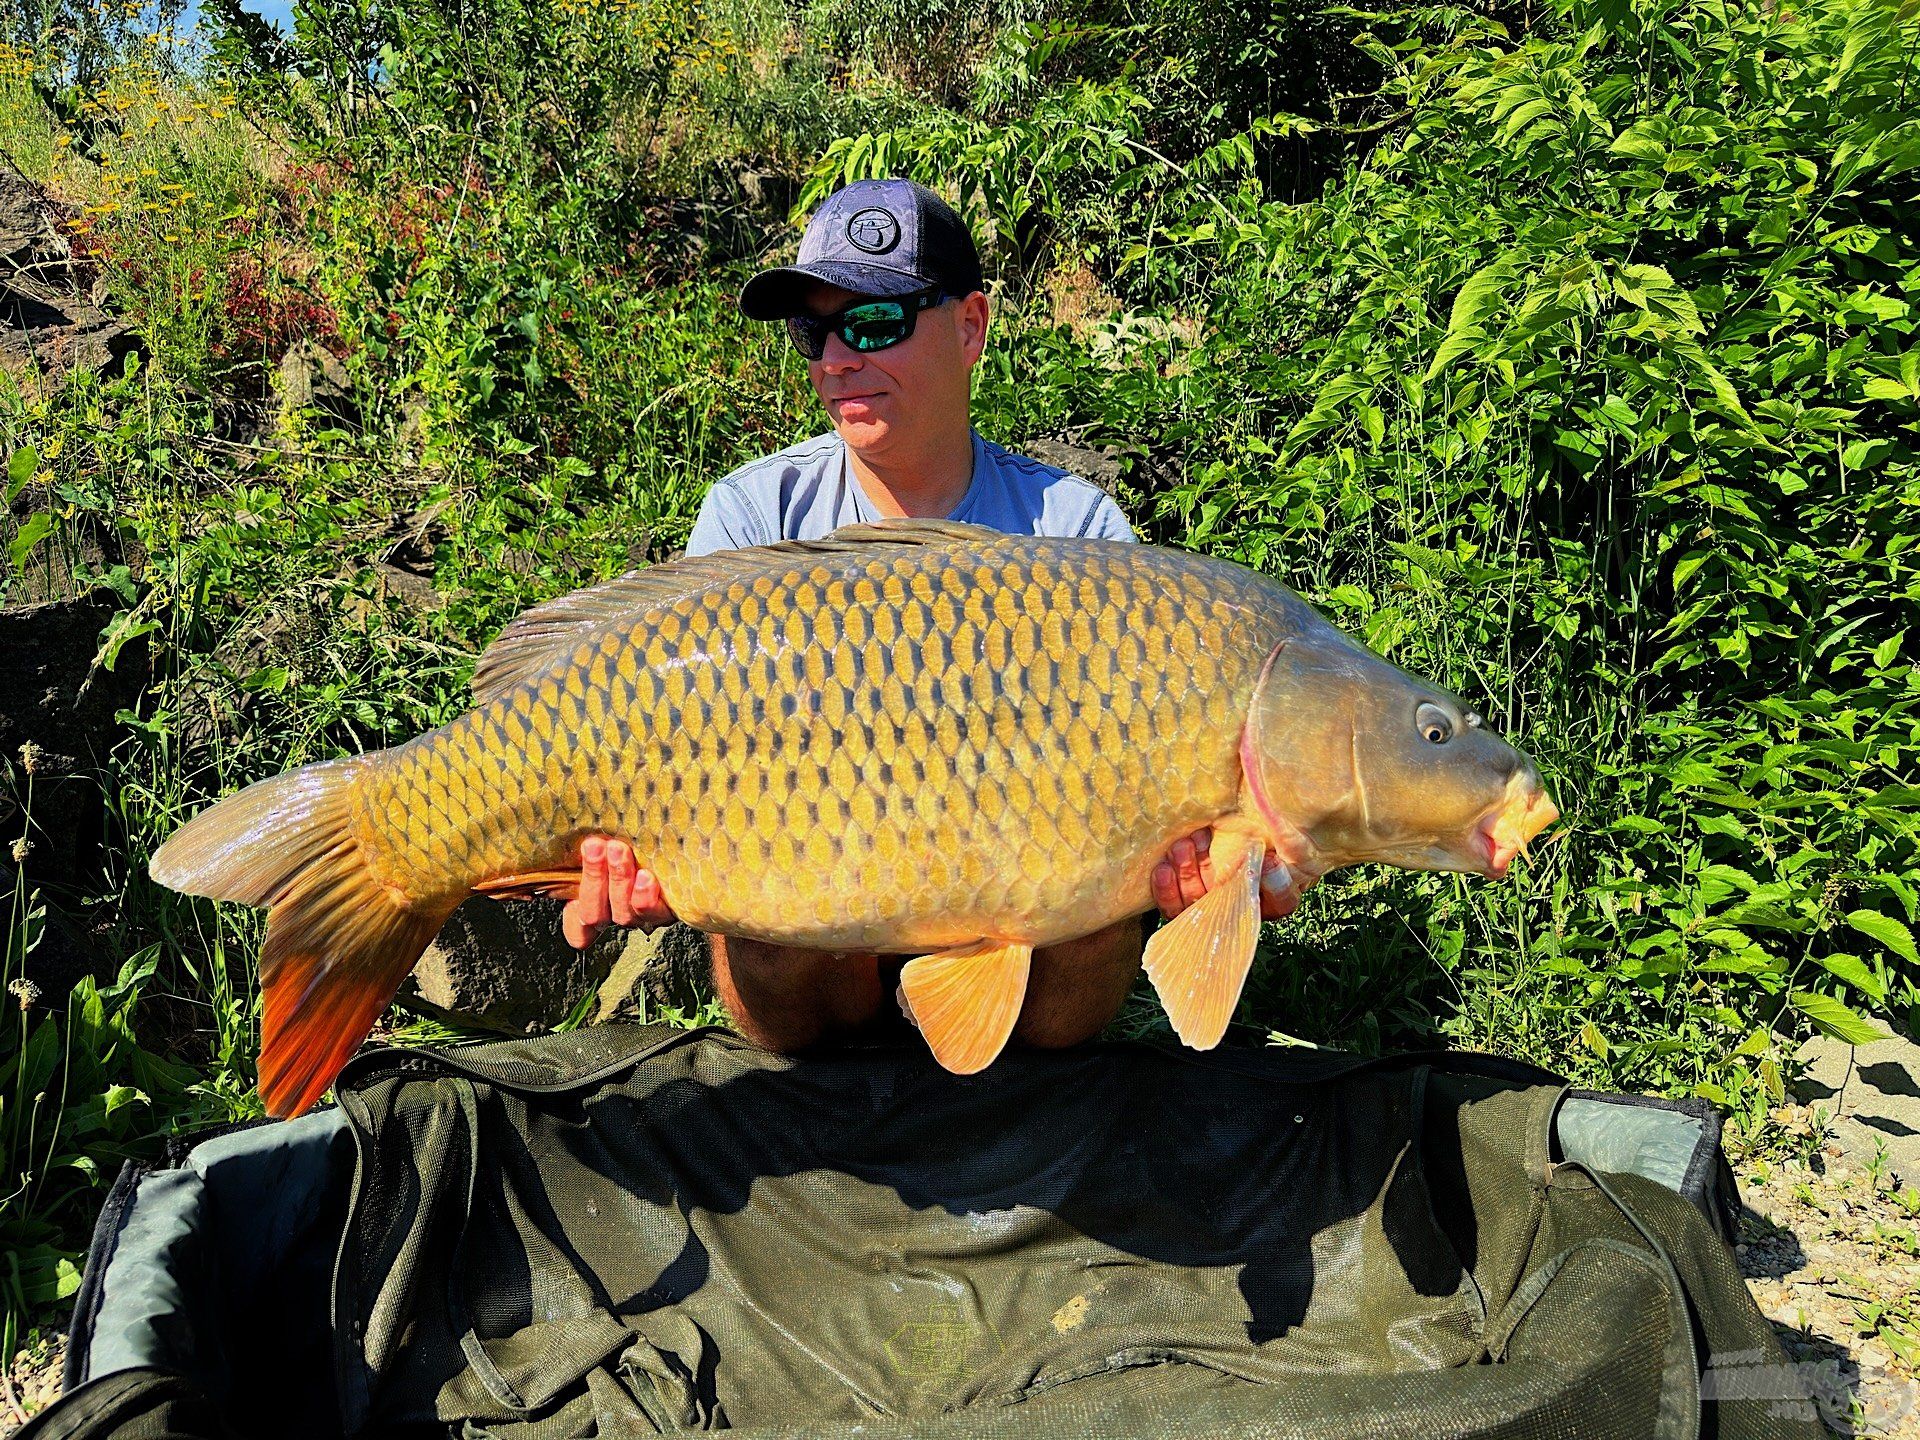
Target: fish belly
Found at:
x=900, y=752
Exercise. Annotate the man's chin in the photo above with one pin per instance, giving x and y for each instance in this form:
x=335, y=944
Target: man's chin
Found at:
x=866, y=433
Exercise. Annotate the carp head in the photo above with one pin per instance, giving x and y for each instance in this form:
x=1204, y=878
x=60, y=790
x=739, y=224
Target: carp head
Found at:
x=1351, y=759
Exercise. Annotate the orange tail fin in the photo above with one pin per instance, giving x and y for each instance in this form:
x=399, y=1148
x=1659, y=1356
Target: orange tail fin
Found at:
x=338, y=942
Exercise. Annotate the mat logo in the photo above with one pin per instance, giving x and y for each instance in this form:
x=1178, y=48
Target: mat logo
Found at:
x=938, y=1344
x=1862, y=1402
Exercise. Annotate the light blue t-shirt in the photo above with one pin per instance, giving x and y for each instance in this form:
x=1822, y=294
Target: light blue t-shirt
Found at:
x=807, y=490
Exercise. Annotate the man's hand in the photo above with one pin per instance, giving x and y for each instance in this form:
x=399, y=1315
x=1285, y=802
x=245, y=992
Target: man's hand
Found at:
x=613, y=888
x=1187, y=874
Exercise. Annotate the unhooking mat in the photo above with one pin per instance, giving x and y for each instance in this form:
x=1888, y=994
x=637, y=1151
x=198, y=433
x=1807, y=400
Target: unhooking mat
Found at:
x=623, y=1231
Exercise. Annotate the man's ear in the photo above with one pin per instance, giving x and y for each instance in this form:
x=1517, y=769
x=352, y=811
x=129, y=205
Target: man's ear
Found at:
x=970, y=324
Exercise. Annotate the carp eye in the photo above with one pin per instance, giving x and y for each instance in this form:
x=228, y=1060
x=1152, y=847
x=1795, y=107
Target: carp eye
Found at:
x=1432, y=722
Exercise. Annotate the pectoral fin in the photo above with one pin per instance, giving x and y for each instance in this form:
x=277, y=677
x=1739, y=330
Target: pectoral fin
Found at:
x=557, y=884
x=965, y=1001
x=1198, y=961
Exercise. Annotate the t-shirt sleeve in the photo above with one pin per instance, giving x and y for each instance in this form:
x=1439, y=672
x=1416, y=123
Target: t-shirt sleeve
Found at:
x=727, y=521
x=1108, y=522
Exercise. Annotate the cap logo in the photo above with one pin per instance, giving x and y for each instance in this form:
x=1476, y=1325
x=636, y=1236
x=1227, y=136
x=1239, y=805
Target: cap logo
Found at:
x=874, y=231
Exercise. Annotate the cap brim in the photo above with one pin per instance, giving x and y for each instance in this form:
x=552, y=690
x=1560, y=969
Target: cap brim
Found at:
x=776, y=294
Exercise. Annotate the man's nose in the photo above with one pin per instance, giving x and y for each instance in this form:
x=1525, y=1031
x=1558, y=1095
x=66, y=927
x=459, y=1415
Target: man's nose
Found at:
x=839, y=356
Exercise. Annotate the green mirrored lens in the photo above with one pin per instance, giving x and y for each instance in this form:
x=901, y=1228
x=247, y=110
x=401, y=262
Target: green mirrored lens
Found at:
x=874, y=326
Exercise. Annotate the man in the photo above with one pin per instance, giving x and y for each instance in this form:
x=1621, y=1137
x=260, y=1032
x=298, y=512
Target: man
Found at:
x=887, y=304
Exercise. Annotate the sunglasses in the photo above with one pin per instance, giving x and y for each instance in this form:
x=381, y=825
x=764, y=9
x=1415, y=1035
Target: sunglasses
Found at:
x=865, y=326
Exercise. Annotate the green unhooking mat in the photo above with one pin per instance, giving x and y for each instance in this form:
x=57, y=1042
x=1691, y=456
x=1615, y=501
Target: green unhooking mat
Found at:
x=621, y=1232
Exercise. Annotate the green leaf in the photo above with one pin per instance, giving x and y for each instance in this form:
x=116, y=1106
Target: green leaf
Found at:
x=1772, y=1079
x=1684, y=570
x=1854, y=970
x=1888, y=931
x=120, y=631
x=1833, y=1017
x=1639, y=142
x=1479, y=297
x=20, y=467
x=1639, y=824
x=1591, y=1037
x=30, y=535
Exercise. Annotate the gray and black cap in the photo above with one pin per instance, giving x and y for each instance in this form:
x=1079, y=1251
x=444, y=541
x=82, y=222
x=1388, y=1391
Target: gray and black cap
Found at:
x=875, y=237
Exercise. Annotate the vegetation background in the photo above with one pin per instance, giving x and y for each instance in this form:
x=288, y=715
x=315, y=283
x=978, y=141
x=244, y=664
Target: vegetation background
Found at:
x=1564, y=350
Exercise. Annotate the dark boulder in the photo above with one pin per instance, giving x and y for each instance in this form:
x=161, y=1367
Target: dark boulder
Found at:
x=504, y=965
x=56, y=728
x=51, y=318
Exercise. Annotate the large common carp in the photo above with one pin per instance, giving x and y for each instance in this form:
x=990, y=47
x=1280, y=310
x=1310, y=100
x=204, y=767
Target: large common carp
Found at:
x=915, y=737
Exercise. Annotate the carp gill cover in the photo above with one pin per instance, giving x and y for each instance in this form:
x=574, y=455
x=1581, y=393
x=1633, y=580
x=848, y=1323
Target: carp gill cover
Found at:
x=913, y=737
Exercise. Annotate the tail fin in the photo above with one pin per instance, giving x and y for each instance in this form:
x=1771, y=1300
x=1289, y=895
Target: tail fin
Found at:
x=338, y=942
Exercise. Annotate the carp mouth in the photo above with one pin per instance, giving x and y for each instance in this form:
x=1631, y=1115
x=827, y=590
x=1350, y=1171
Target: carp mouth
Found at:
x=1523, y=813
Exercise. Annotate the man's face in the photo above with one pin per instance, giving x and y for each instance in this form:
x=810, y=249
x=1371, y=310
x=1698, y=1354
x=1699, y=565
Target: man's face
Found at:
x=884, y=400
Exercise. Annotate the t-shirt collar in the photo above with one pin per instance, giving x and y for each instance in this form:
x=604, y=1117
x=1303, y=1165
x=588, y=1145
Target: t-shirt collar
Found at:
x=863, y=503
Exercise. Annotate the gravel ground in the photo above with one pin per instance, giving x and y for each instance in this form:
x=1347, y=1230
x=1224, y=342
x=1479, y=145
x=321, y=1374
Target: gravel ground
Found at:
x=1831, y=1252
x=32, y=1382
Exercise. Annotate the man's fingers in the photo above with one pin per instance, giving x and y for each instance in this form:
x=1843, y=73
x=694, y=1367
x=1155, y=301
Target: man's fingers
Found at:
x=1203, y=848
x=579, y=934
x=590, y=905
x=1279, y=897
x=1186, y=865
x=620, y=881
x=650, y=906
x=1166, y=890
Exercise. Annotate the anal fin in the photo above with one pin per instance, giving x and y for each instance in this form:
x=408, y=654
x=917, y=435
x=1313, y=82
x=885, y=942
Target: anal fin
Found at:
x=1198, y=961
x=966, y=1000
x=559, y=884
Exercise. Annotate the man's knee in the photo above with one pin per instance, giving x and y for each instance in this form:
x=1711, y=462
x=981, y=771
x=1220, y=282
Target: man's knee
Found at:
x=1076, y=988
x=786, y=999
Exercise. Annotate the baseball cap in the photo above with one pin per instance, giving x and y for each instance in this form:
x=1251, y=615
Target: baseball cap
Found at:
x=874, y=237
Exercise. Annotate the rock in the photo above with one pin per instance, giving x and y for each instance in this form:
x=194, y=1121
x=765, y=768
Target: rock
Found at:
x=313, y=377
x=1872, y=1094
x=766, y=191
x=408, y=586
x=51, y=323
x=45, y=337
x=672, y=967
x=52, y=698
x=68, y=561
x=504, y=965
x=1101, y=466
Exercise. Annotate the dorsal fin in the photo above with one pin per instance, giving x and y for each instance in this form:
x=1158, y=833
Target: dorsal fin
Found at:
x=905, y=530
x=534, y=641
